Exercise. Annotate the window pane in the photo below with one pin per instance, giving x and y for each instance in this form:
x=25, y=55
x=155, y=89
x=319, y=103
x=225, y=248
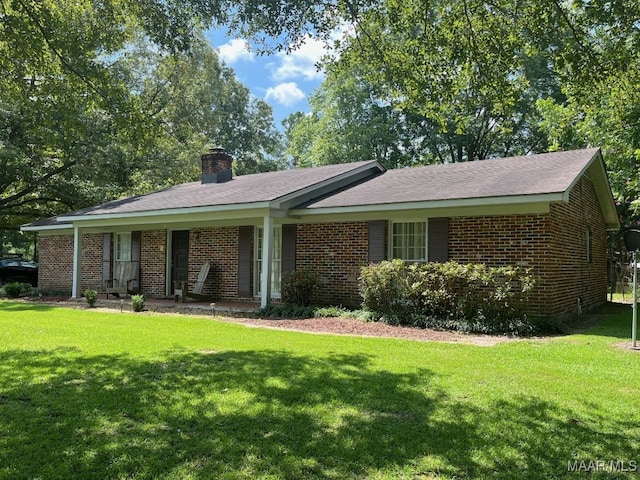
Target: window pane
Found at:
x=275, y=261
x=123, y=247
x=409, y=241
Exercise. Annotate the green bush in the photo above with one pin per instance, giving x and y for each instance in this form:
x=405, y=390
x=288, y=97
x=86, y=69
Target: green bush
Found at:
x=448, y=295
x=91, y=296
x=298, y=311
x=137, y=302
x=286, y=310
x=297, y=287
x=13, y=290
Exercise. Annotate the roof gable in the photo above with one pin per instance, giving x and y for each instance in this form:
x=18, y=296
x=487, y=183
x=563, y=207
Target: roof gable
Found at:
x=246, y=190
x=546, y=177
x=366, y=186
x=503, y=177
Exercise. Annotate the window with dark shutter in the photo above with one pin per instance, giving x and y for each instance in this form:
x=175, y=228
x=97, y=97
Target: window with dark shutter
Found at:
x=377, y=235
x=244, y=261
x=136, y=240
x=288, y=248
x=438, y=238
x=106, y=256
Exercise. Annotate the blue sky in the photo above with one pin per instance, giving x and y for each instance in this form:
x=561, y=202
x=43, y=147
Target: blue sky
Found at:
x=283, y=80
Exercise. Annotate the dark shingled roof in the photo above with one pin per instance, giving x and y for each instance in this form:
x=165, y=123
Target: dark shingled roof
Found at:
x=245, y=189
x=367, y=184
x=527, y=175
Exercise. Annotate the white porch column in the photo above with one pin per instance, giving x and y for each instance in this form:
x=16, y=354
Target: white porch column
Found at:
x=267, y=260
x=77, y=263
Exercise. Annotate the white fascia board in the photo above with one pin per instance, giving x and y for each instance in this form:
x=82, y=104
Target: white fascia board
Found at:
x=48, y=229
x=434, y=204
x=584, y=170
x=327, y=185
x=596, y=171
x=169, y=215
x=602, y=186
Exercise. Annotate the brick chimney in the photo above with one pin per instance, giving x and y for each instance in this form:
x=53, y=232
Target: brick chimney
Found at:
x=216, y=166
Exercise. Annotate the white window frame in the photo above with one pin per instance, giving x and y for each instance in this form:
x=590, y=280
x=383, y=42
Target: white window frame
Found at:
x=276, y=261
x=407, y=232
x=122, y=247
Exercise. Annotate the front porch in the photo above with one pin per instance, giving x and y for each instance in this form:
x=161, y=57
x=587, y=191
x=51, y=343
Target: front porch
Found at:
x=168, y=305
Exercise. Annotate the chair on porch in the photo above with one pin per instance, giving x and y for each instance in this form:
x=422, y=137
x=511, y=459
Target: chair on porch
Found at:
x=125, y=273
x=181, y=288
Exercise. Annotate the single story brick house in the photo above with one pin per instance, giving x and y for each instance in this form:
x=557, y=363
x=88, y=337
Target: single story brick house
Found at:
x=549, y=212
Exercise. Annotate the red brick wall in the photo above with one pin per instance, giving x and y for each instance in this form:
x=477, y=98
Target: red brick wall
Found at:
x=335, y=251
x=572, y=276
x=553, y=245
x=516, y=240
x=91, y=265
x=219, y=247
x=153, y=262
x=55, y=268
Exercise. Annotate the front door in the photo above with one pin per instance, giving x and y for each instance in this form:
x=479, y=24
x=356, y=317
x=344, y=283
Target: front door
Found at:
x=179, y=256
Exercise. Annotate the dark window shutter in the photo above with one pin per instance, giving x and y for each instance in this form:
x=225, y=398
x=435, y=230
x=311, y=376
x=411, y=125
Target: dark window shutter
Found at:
x=106, y=256
x=438, y=233
x=377, y=236
x=245, y=235
x=136, y=240
x=288, y=248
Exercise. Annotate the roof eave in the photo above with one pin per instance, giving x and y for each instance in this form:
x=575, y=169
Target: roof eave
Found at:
x=170, y=212
x=59, y=228
x=433, y=204
x=596, y=170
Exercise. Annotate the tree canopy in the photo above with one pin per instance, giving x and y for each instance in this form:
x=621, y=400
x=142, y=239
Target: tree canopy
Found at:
x=495, y=79
x=102, y=99
x=98, y=99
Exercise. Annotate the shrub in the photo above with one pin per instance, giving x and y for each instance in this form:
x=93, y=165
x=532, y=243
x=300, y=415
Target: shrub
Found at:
x=286, y=310
x=298, y=286
x=13, y=290
x=382, y=287
x=449, y=295
x=137, y=302
x=297, y=311
x=91, y=296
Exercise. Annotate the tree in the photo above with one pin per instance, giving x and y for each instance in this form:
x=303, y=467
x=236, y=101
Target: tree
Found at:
x=199, y=102
x=350, y=122
x=86, y=116
x=497, y=78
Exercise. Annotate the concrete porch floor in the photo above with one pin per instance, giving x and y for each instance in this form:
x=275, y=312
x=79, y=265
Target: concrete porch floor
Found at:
x=168, y=305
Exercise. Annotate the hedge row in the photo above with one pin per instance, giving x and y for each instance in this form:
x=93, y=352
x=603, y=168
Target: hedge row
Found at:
x=471, y=297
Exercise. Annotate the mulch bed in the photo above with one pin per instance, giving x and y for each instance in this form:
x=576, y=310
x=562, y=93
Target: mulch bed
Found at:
x=331, y=326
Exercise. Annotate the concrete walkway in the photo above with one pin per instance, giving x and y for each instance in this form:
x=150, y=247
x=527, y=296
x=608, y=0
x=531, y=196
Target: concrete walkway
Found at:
x=168, y=305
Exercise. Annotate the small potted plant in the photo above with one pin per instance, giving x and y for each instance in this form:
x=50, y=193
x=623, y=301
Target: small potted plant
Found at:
x=137, y=302
x=91, y=296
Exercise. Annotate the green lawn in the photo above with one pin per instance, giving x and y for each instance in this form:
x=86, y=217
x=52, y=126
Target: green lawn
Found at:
x=92, y=395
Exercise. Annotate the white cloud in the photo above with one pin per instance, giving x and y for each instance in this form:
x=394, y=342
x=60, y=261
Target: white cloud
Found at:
x=285, y=93
x=235, y=50
x=300, y=63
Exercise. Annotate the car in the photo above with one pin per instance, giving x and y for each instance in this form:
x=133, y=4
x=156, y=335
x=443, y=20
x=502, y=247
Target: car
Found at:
x=18, y=270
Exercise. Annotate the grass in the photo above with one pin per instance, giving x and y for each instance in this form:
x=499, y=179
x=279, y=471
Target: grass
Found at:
x=92, y=395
